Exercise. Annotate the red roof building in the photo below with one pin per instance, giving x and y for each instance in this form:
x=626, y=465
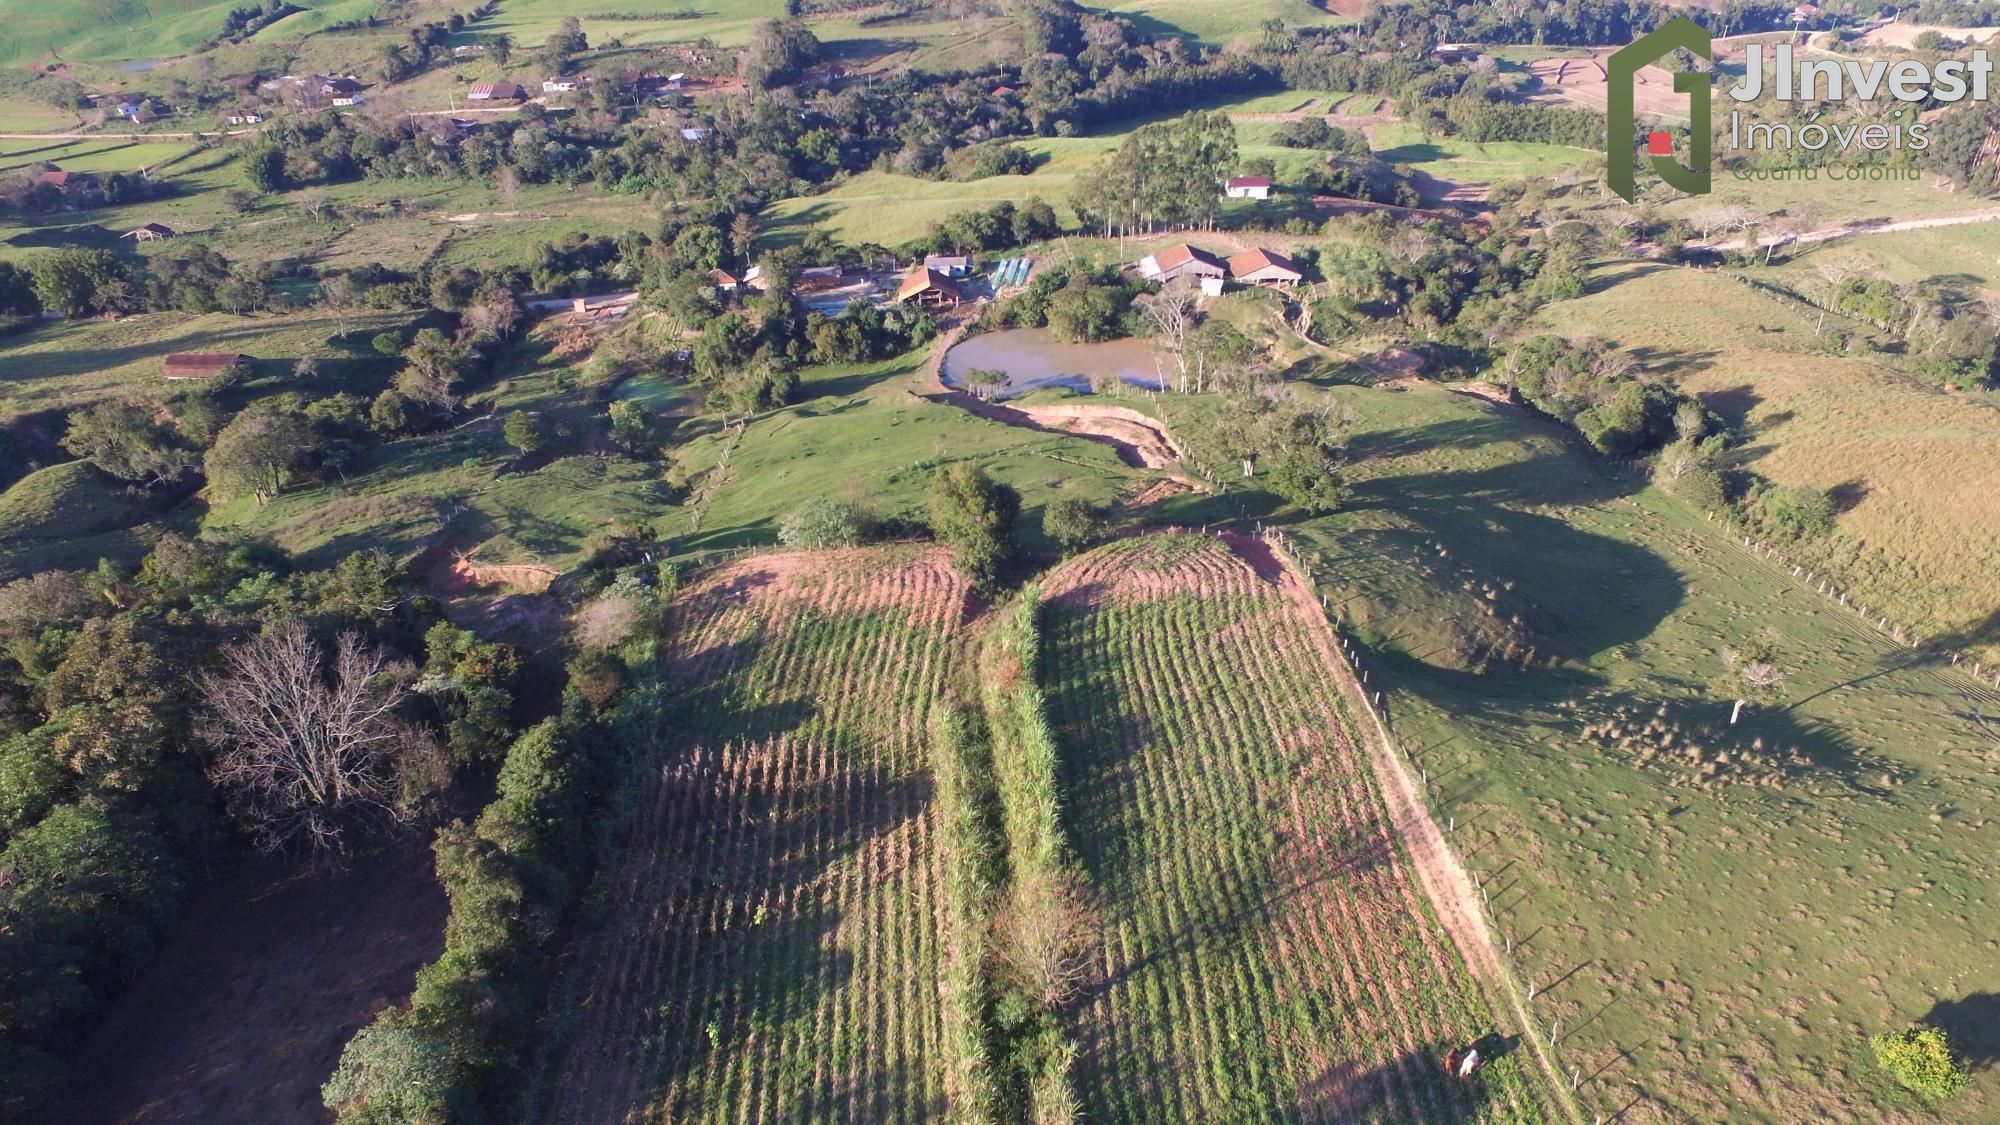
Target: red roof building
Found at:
x=201, y=365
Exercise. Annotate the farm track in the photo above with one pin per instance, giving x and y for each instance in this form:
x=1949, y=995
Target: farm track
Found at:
x=1265, y=953
x=773, y=924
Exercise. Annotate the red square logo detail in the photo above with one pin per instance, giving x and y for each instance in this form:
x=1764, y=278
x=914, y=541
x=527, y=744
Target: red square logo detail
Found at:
x=1660, y=144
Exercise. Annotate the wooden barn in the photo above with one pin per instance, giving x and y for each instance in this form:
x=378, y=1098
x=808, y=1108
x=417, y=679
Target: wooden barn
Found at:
x=927, y=288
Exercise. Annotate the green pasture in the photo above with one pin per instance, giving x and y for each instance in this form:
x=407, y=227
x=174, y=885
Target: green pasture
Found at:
x=1911, y=467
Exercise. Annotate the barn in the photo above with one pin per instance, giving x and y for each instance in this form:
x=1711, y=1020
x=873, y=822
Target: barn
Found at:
x=1183, y=261
x=1258, y=266
x=201, y=365
x=927, y=288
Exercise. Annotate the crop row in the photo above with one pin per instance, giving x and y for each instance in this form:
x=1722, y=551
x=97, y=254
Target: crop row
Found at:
x=1265, y=952
x=771, y=943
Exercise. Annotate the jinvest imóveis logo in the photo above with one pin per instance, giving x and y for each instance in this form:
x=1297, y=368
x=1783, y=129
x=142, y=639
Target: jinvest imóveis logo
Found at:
x=1621, y=73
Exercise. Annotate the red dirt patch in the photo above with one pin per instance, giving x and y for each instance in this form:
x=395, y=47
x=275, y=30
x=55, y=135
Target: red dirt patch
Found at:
x=244, y=1013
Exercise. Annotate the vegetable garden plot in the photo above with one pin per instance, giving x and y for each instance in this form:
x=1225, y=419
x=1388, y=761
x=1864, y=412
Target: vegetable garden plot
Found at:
x=770, y=948
x=1266, y=952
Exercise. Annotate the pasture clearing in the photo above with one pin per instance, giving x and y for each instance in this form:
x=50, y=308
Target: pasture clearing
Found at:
x=1715, y=917
x=1266, y=952
x=1220, y=23
x=1470, y=162
x=770, y=943
x=1910, y=468
x=890, y=208
x=861, y=434
x=64, y=364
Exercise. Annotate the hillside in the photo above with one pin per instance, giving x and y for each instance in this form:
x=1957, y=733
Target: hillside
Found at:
x=770, y=938
x=1266, y=948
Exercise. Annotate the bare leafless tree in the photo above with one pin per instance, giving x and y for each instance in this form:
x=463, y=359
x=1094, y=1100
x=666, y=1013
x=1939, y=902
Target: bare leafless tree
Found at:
x=1045, y=933
x=307, y=753
x=1172, y=311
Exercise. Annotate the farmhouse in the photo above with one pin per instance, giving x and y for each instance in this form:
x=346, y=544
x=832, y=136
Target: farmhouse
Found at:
x=1248, y=187
x=1268, y=268
x=950, y=265
x=201, y=365
x=151, y=232
x=563, y=85
x=77, y=188
x=1176, y=262
x=927, y=288
x=1456, y=52
x=245, y=117
x=496, y=92
x=723, y=280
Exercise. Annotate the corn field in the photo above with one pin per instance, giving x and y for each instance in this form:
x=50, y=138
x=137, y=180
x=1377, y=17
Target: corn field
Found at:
x=770, y=948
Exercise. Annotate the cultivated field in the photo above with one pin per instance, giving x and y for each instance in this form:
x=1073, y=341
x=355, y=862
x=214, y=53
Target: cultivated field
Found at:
x=1718, y=916
x=772, y=948
x=1266, y=952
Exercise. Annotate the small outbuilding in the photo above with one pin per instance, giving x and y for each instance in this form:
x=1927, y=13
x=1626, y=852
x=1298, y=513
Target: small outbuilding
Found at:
x=723, y=280
x=929, y=289
x=496, y=92
x=950, y=265
x=1183, y=261
x=1248, y=187
x=202, y=365
x=1268, y=268
x=151, y=232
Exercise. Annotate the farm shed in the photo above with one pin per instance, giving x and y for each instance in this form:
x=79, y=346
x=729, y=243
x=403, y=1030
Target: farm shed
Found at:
x=151, y=232
x=1176, y=262
x=1258, y=266
x=496, y=92
x=927, y=288
x=201, y=365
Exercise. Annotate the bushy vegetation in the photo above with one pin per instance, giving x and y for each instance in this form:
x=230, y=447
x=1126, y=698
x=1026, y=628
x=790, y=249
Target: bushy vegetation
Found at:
x=1922, y=1061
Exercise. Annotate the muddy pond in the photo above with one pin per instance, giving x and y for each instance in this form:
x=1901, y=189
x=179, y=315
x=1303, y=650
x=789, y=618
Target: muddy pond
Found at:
x=1031, y=358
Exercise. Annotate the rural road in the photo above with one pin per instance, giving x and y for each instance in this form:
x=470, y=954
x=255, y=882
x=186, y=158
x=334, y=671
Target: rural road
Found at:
x=1858, y=227
x=132, y=138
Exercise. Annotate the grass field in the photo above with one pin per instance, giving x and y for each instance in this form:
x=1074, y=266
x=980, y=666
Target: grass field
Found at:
x=100, y=30
x=858, y=436
x=1720, y=919
x=1920, y=536
x=1469, y=162
x=890, y=208
x=1266, y=953
x=1215, y=22
x=771, y=947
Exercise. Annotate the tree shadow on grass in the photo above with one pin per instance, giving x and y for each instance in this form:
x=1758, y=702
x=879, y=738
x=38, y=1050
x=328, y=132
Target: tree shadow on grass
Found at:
x=1973, y=1024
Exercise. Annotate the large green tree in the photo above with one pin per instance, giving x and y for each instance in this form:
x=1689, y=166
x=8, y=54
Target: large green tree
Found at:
x=974, y=514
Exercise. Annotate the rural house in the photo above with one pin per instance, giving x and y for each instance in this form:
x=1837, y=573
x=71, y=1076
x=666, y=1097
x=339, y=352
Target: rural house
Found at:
x=77, y=188
x=563, y=85
x=202, y=365
x=245, y=117
x=1248, y=187
x=927, y=288
x=950, y=265
x=1268, y=268
x=723, y=280
x=1176, y=262
x=151, y=232
x=496, y=92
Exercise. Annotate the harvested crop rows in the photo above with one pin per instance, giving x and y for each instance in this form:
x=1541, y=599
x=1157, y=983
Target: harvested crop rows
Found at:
x=1266, y=952
x=771, y=941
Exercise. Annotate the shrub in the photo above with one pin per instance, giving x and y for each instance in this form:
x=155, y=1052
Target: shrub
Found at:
x=974, y=514
x=1074, y=523
x=394, y=1074
x=821, y=522
x=1921, y=1060
x=1796, y=512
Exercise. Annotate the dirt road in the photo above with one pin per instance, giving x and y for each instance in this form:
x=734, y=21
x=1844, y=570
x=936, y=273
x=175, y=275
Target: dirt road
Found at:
x=1855, y=228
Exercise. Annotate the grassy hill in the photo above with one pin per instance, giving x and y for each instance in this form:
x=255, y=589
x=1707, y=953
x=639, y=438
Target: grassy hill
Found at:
x=103, y=30
x=1911, y=467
